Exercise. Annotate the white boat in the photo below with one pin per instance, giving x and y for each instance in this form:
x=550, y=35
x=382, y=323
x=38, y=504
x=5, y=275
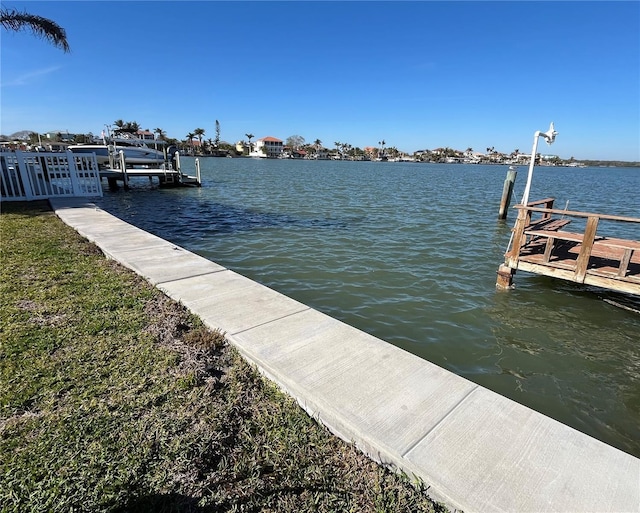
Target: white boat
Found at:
x=137, y=152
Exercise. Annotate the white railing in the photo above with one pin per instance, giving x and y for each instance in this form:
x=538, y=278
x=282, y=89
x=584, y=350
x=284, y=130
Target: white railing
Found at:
x=26, y=176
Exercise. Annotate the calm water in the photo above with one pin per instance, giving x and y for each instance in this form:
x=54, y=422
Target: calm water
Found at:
x=409, y=253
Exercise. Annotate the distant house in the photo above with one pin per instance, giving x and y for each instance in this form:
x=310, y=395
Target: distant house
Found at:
x=242, y=148
x=473, y=157
x=56, y=146
x=292, y=153
x=193, y=147
x=145, y=134
x=320, y=153
x=59, y=136
x=371, y=152
x=268, y=147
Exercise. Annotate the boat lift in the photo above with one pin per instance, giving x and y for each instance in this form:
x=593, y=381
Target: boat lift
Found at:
x=169, y=173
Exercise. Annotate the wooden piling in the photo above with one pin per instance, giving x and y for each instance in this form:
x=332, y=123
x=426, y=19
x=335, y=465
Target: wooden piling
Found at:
x=505, y=277
x=507, y=190
x=113, y=183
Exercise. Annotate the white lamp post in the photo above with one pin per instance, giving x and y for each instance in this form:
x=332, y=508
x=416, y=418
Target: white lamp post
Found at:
x=550, y=136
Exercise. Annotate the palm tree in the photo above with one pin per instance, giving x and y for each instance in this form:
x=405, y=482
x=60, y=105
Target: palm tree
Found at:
x=132, y=127
x=161, y=135
x=199, y=132
x=318, y=144
x=41, y=27
x=190, y=137
x=249, y=136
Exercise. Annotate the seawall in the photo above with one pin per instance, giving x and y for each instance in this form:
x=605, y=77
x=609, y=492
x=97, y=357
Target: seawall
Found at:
x=475, y=449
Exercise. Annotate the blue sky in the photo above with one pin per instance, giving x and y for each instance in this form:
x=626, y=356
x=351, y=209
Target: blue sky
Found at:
x=415, y=74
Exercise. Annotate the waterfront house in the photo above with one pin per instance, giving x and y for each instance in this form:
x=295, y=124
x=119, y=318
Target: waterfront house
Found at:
x=322, y=153
x=293, y=153
x=268, y=147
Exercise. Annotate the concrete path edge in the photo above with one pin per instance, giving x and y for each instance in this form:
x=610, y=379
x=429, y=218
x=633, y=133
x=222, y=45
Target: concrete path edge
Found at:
x=474, y=449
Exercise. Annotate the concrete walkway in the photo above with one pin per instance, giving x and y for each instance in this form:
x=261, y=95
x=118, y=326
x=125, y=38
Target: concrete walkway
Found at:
x=476, y=450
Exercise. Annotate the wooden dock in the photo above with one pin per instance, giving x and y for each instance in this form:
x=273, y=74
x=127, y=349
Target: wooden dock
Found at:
x=543, y=246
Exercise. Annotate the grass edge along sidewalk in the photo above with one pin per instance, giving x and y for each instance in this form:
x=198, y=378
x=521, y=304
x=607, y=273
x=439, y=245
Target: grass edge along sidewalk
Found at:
x=115, y=398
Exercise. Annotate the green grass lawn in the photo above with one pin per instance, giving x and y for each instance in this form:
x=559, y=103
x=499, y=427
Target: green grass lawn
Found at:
x=115, y=398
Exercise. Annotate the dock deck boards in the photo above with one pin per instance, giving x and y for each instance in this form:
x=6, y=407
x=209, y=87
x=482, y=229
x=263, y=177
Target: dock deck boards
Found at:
x=545, y=246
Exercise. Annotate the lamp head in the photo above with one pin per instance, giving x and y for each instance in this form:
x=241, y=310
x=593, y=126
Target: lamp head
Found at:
x=550, y=135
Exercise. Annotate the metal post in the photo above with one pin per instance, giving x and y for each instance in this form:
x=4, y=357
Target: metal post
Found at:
x=550, y=136
x=527, y=188
x=123, y=168
x=111, y=151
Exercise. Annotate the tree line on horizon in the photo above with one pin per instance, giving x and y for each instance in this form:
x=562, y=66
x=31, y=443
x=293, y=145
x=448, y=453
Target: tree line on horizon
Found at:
x=346, y=151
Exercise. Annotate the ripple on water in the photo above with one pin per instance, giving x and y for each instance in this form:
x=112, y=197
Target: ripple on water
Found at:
x=408, y=253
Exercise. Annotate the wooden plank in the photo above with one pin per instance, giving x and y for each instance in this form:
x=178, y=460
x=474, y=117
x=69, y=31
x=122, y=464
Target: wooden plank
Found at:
x=566, y=264
x=603, y=250
x=613, y=284
x=627, y=285
x=556, y=224
x=585, y=251
x=624, y=262
x=546, y=201
x=575, y=213
x=519, y=238
x=574, y=237
x=548, y=248
x=548, y=224
x=619, y=243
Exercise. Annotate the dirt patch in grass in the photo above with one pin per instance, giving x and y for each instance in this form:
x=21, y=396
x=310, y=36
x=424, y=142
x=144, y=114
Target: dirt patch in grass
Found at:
x=115, y=398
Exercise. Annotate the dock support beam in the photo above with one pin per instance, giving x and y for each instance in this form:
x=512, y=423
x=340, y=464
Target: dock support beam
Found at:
x=123, y=168
x=199, y=182
x=113, y=184
x=505, y=277
x=507, y=191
